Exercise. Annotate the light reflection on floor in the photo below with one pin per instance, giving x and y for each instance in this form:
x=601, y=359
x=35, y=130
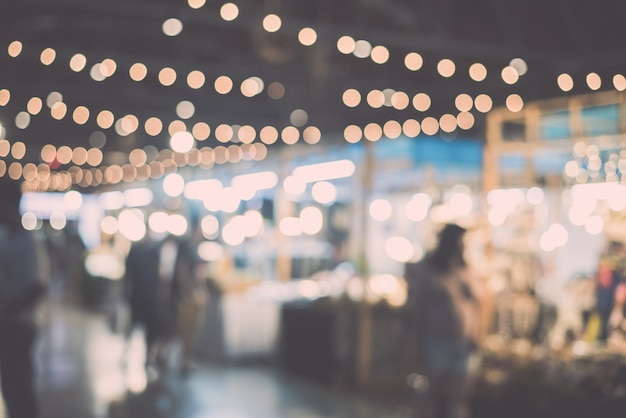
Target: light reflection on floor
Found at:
x=85, y=371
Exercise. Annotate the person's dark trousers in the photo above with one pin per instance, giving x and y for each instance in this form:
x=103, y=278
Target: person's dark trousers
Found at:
x=16, y=369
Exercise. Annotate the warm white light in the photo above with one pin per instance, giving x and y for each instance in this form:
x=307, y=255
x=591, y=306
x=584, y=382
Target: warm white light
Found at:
x=272, y=23
x=346, y=45
x=307, y=36
x=112, y=200
x=399, y=249
x=294, y=185
x=290, y=226
x=514, y=103
x=78, y=62
x=131, y=224
x=229, y=12
x=182, y=141
x=173, y=185
x=535, y=196
x=483, y=103
x=380, y=54
x=413, y=61
x=210, y=226
x=108, y=225
x=158, y=222
x=461, y=203
x=325, y=171
x=210, y=251
x=380, y=209
x=509, y=75
x=417, y=208
x=312, y=220
x=565, y=82
x=478, y=72
x=594, y=81
x=446, y=68
x=232, y=234
x=172, y=27
x=141, y=196
x=594, y=225
x=619, y=82
x=177, y=225
x=324, y=192
x=29, y=221
x=73, y=200
x=230, y=200
x=252, y=223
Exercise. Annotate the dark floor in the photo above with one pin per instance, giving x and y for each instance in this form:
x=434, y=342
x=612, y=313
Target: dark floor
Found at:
x=81, y=373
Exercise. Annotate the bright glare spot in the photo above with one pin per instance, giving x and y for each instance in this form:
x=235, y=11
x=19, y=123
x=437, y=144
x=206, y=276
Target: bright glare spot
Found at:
x=172, y=27
x=380, y=209
x=182, y=141
x=108, y=225
x=138, y=71
x=131, y=224
x=478, y=72
x=14, y=49
x=290, y=226
x=594, y=81
x=430, y=125
x=346, y=44
x=509, y=75
x=29, y=221
x=463, y=102
x=417, y=208
x=48, y=56
x=461, y=203
x=565, y=82
x=173, y=185
x=252, y=86
x=324, y=192
x=307, y=36
x=535, y=196
x=158, y=221
x=483, y=103
x=210, y=226
x=230, y=200
x=619, y=82
x=514, y=103
x=380, y=54
x=399, y=249
x=446, y=68
x=141, y=196
x=78, y=62
x=272, y=23
x=252, y=223
x=196, y=4
x=413, y=61
x=210, y=251
x=177, y=225
x=594, y=225
x=229, y=12
x=167, y=76
x=73, y=200
x=233, y=234
x=112, y=200
x=351, y=97
x=555, y=236
x=308, y=289
x=571, y=168
x=294, y=185
x=58, y=220
x=421, y=102
x=312, y=220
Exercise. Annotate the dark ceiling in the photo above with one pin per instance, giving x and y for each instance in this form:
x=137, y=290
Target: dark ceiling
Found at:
x=552, y=36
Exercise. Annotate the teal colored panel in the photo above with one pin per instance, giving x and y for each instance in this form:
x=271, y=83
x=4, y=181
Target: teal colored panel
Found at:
x=600, y=120
x=555, y=125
